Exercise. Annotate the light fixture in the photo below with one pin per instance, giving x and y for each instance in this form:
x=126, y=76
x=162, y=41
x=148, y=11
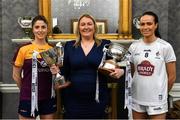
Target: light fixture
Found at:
x=79, y=3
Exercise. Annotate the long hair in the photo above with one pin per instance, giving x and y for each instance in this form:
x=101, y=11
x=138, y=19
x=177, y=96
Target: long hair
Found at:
x=35, y=19
x=78, y=34
x=157, y=33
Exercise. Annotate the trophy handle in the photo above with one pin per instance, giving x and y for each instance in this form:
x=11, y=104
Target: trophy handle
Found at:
x=107, y=45
x=60, y=48
x=105, y=49
x=126, y=56
x=136, y=22
x=25, y=22
x=19, y=21
x=59, y=79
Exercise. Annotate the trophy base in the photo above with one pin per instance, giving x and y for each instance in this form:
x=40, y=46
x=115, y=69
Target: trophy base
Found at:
x=105, y=71
x=107, y=67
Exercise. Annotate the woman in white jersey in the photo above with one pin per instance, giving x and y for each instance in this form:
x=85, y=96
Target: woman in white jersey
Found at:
x=154, y=71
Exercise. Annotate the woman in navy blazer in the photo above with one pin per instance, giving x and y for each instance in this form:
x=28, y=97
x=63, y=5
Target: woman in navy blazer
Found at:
x=84, y=97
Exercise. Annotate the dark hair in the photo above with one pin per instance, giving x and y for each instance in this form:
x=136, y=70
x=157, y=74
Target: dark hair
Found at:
x=41, y=18
x=157, y=34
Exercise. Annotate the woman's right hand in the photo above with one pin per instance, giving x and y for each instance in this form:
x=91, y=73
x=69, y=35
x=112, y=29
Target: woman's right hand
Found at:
x=58, y=86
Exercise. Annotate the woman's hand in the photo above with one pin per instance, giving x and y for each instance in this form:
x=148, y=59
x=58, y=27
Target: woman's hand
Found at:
x=59, y=86
x=54, y=69
x=117, y=73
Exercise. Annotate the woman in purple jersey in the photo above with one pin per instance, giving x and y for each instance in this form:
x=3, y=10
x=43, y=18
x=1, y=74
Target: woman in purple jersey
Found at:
x=35, y=97
x=154, y=70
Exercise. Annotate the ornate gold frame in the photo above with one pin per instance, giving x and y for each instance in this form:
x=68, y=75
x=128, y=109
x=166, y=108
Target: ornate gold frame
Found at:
x=125, y=18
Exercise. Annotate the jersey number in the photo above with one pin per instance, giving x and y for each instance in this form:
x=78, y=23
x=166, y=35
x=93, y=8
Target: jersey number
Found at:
x=146, y=55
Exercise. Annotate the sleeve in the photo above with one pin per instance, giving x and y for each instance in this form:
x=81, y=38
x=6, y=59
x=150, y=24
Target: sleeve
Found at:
x=65, y=70
x=18, y=59
x=108, y=42
x=105, y=41
x=169, y=54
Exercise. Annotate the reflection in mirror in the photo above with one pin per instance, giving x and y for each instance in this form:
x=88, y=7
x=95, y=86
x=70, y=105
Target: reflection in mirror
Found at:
x=122, y=11
x=63, y=14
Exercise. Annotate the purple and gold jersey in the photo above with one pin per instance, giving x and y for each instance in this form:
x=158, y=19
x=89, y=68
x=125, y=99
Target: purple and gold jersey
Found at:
x=23, y=58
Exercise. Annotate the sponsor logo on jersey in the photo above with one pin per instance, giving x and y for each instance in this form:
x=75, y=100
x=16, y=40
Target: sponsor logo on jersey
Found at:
x=43, y=70
x=145, y=68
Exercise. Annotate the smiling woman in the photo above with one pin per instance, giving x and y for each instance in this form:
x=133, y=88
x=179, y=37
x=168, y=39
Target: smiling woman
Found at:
x=122, y=22
x=26, y=60
x=101, y=24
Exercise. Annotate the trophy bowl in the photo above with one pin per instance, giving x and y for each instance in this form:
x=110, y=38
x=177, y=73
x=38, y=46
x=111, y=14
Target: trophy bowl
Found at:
x=55, y=56
x=49, y=56
x=26, y=24
x=114, y=53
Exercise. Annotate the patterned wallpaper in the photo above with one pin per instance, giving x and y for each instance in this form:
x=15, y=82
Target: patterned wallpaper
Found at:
x=64, y=13
x=160, y=7
x=12, y=9
x=174, y=30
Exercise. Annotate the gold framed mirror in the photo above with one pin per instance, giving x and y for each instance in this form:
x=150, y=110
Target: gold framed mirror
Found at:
x=124, y=26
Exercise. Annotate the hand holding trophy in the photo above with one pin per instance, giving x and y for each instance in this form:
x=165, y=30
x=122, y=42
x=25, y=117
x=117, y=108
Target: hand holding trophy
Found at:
x=115, y=53
x=55, y=56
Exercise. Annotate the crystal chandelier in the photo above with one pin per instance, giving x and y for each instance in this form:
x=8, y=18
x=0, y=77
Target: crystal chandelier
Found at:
x=79, y=3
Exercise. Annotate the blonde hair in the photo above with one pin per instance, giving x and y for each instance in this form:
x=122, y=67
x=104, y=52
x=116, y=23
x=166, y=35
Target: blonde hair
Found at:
x=78, y=34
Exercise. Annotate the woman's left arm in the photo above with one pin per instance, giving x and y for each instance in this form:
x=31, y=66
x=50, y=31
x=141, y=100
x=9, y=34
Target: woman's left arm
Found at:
x=171, y=72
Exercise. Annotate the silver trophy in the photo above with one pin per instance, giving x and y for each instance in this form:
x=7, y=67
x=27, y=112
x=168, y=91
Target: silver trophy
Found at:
x=26, y=24
x=55, y=56
x=113, y=53
x=136, y=22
